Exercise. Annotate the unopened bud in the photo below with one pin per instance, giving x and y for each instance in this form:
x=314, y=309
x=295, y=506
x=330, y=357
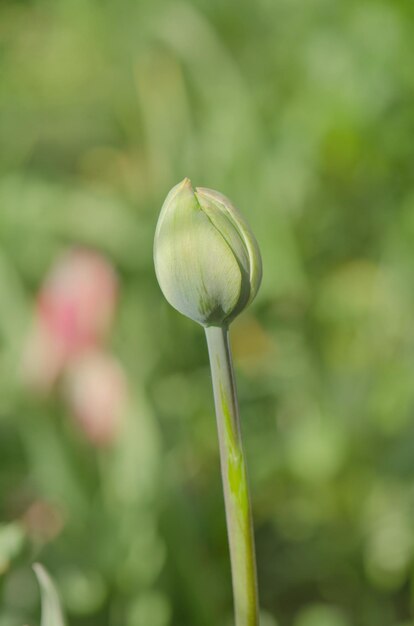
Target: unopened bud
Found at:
x=207, y=260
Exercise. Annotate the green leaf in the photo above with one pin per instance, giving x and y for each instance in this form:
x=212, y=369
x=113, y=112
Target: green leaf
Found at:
x=51, y=610
x=11, y=542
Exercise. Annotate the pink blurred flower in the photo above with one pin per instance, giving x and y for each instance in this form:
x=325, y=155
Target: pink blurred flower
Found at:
x=96, y=392
x=74, y=309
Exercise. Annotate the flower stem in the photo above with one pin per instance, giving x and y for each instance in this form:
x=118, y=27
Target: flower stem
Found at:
x=233, y=469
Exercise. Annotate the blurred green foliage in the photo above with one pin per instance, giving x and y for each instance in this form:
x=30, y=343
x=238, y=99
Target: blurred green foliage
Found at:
x=302, y=113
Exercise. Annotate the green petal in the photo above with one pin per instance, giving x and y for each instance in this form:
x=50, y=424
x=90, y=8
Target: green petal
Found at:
x=225, y=225
x=244, y=230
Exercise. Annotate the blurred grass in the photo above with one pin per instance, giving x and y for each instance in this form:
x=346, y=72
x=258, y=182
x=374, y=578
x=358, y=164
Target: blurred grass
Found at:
x=301, y=113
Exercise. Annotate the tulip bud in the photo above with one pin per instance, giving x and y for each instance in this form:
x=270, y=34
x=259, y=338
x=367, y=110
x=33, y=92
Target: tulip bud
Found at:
x=206, y=258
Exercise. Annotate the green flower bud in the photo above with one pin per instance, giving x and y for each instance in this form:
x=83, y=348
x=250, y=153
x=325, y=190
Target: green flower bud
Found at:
x=206, y=258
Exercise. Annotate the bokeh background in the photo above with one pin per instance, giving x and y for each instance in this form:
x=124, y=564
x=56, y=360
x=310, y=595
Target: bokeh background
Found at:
x=302, y=113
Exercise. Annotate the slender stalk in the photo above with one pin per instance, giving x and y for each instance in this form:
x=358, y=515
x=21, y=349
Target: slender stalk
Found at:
x=233, y=468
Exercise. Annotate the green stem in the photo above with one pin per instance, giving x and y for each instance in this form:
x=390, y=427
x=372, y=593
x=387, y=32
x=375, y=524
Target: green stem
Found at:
x=233, y=468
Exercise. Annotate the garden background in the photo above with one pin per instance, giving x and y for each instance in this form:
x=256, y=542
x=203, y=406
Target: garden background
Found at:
x=302, y=113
